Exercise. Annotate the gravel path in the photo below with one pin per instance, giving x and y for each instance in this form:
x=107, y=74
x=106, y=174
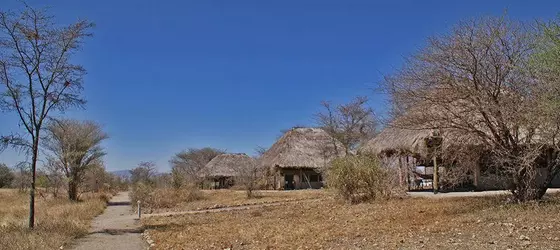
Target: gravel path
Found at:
x=116, y=228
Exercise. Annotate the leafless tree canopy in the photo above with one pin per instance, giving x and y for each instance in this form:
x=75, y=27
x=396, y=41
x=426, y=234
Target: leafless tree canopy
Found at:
x=37, y=75
x=74, y=147
x=186, y=165
x=259, y=151
x=352, y=124
x=477, y=82
x=145, y=173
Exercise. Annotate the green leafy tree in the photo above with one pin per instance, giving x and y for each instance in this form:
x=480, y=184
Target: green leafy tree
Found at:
x=6, y=176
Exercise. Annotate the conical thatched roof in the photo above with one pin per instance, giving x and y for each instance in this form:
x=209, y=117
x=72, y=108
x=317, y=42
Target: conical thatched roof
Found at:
x=227, y=165
x=302, y=148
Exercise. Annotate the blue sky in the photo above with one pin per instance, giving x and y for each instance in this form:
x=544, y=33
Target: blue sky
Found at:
x=168, y=75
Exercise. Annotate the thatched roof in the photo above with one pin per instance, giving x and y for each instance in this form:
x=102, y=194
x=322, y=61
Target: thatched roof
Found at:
x=302, y=148
x=227, y=165
x=396, y=140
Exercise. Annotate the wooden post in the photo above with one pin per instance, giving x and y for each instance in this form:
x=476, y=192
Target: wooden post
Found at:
x=407, y=173
x=300, y=179
x=400, y=172
x=435, y=183
x=139, y=210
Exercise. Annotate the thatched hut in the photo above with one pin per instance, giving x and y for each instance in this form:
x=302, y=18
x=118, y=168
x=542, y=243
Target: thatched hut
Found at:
x=404, y=150
x=415, y=152
x=300, y=156
x=223, y=169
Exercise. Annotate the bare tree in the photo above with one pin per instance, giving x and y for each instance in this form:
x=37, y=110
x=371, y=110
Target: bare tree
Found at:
x=145, y=173
x=74, y=147
x=22, y=176
x=249, y=177
x=251, y=174
x=186, y=165
x=96, y=179
x=37, y=76
x=475, y=85
x=259, y=151
x=55, y=176
x=352, y=124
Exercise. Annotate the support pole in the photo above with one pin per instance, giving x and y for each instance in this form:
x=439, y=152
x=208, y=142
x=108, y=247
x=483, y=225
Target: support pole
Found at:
x=435, y=183
x=400, y=172
x=139, y=210
x=407, y=173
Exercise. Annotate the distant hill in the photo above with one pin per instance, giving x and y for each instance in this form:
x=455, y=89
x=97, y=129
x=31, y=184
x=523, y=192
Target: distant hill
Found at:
x=125, y=174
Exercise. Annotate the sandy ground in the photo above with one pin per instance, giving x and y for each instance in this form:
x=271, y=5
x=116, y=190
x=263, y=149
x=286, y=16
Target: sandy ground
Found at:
x=116, y=228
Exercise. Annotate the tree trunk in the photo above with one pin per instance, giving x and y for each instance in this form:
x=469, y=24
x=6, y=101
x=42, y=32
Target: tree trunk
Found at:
x=529, y=189
x=33, y=175
x=73, y=190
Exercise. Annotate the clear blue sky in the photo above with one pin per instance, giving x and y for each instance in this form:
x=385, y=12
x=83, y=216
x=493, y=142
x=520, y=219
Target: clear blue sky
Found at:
x=168, y=75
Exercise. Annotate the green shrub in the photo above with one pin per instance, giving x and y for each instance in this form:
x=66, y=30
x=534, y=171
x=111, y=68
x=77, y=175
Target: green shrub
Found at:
x=361, y=178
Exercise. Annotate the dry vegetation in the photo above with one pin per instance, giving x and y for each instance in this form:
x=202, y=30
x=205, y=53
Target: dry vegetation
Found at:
x=58, y=220
x=411, y=223
x=168, y=200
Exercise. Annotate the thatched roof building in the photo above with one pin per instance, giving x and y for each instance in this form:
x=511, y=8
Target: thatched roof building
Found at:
x=396, y=141
x=302, y=148
x=299, y=156
x=227, y=165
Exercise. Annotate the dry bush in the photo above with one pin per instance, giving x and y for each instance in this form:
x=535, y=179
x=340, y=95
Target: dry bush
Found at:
x=160, y=198
x=58, y=220
x=361, y=178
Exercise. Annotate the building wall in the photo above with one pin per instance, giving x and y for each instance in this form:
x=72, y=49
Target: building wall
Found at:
x=301, y=179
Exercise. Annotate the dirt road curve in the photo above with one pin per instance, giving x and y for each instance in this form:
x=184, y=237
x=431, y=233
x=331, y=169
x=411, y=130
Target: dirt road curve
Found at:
x=116, y=228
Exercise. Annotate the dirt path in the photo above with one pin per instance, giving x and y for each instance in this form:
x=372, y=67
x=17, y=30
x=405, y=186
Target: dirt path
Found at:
x=116, y=228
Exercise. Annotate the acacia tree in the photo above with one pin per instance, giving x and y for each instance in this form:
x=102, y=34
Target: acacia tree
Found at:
x=186, y=165
x=476, y=84
x=74, y=147
x=37, y=76
x=352, y=124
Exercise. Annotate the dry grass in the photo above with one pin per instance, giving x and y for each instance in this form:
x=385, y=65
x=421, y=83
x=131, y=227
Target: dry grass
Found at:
x=57, y=220
x=206, y=199
x=465, y=223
